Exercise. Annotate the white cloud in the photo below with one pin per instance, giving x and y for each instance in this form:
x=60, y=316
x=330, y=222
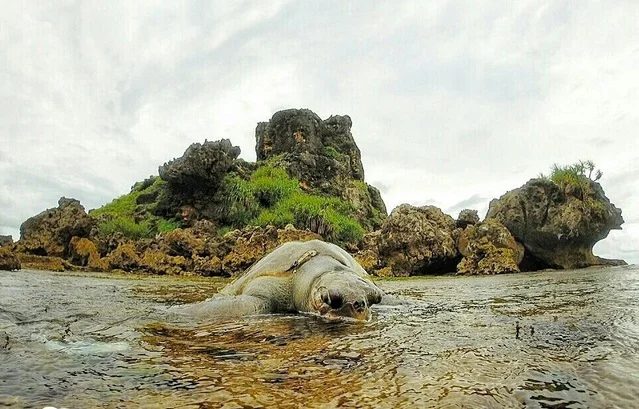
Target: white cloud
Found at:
x=450, y=100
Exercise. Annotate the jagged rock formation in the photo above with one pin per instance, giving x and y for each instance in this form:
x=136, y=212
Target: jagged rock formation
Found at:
x=6, y=241
x=412, y=241
x=558, y=226
x=322, y=155
x=82, y=252
x=467, y=217
x=194, y=178
x=8, y=260
x=488, y=248
x=49, y=233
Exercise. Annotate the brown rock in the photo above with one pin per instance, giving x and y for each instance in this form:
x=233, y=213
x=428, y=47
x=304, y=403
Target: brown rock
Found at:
x=182, y=242
x=8, y=260
x=83, y=252
x=33, y=262
x=417, y=240
x=488, y=259
x=467, y=217
x=495, y=233
x=6, y=240
x=124, y=258
x=245, y=247
x=157, y=262
x=207, y=266
x=368, y=259
x=49, y=233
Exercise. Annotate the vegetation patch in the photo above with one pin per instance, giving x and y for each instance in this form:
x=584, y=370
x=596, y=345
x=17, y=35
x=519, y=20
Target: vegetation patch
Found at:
x=333, y=153
x=270, y=196
x=576, y=176
x=576, y=180
x=119, y=214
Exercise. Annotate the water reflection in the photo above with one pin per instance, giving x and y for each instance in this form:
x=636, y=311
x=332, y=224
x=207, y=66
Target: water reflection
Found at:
x=79, y=341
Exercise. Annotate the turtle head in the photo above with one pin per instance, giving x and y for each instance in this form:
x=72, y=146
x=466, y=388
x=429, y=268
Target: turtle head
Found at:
x=338, y=294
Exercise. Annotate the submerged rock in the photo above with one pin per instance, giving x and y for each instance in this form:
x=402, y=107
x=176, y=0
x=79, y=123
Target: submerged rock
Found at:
x=8, y=260
x=558, y=226
x=49, y=233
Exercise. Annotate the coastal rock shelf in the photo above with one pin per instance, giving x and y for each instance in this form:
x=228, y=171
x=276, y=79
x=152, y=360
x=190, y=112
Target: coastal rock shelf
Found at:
x=211, y=213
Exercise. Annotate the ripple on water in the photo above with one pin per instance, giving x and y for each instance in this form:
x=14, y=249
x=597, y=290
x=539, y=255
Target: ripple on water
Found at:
x=100, y=341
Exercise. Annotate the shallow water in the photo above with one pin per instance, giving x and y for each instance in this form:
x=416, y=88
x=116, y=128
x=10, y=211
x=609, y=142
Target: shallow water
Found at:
x=79, y=341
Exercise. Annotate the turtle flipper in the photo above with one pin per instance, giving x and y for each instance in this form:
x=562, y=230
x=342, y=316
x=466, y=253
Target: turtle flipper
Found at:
x=226, y=307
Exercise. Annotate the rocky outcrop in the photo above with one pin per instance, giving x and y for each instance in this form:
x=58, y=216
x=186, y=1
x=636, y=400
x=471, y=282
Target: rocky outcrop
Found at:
x=239, y=249
x=488, y=248
x=467, y=217
x=8, y=260
x=34, y=262
x=193, y=178
x=202, y=165
x=412, y=241
x=195, y=251
x=558, y=225
x=124, y=258
x=84, y=253
x=6, y=241
x=323, y=156
x=49, y=233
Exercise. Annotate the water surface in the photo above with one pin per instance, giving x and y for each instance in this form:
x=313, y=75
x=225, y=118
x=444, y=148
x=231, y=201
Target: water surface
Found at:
x=79, y=341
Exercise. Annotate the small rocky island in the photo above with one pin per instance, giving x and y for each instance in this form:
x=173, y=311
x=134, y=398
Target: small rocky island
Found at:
x=211, y=213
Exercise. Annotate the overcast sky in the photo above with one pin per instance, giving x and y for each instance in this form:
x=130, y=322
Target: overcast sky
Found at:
x=453, y=102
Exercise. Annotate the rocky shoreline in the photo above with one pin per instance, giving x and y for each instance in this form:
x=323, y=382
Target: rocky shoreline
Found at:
x=210, y=213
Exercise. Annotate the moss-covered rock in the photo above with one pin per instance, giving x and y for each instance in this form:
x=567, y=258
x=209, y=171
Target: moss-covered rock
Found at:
x=8, y=260
x=157, y=262
x=208, y=266
x=323, y=157
x=485, y=258
x=124, y=258
x=467, y=217
x=34, y=262
x=488, y=248
x=413, y=241
x=49, y=233
x=241, y=248
x=83, y=252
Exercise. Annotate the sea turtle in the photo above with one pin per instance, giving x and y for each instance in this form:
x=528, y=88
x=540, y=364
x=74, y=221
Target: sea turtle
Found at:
x=308, y=277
